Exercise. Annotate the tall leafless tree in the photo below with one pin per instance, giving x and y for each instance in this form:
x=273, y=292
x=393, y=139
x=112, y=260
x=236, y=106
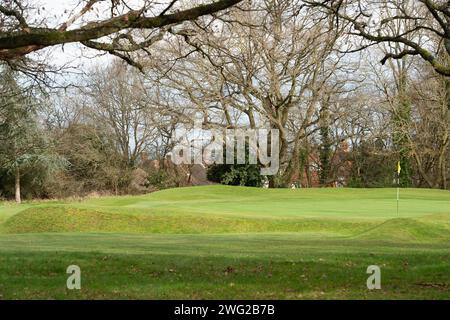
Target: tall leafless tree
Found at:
x=264, y=64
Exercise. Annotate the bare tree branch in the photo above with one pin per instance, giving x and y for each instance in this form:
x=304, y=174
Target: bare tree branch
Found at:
x=16, y=44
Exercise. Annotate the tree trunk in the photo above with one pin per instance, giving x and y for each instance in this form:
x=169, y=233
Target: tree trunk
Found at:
x=272, y=183
x=444, y=176
x=442, y=168
x=421, y=170
x=447, y=97
x=17, y=185
x=326, y=144
x=293, y=169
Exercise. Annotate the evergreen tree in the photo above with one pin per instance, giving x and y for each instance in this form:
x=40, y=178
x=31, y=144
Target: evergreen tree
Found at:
x=23, y=146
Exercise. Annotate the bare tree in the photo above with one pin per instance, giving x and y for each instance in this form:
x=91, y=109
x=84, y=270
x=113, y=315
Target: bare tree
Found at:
x=129, y=26
x=117, y=99
x=377, y=22
x=428, y=132
x=261, y=65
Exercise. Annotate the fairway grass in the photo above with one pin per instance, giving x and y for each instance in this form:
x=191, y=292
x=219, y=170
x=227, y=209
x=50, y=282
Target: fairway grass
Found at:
x=220, y=242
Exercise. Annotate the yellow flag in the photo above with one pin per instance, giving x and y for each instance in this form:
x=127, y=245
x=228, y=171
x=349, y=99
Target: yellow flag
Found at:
x=399, y=168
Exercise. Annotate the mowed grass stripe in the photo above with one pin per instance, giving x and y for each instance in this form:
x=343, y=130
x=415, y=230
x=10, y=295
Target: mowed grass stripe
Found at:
x=288, y=266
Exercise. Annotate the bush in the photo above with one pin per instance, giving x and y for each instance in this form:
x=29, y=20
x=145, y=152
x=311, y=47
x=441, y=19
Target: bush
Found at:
x=235, y=175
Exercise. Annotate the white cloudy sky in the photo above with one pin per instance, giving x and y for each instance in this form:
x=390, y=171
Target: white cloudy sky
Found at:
x=55, y=12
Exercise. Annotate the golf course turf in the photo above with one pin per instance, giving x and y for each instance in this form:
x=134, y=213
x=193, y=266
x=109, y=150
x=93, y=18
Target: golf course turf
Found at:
x=221, y=242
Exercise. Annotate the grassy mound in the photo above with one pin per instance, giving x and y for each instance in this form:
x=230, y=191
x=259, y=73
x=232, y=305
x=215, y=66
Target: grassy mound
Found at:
x=406, y=229
x=61, y=219
x=67, y=219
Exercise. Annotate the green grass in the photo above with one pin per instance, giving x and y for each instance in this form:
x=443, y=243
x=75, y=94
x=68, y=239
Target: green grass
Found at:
x=230, y=242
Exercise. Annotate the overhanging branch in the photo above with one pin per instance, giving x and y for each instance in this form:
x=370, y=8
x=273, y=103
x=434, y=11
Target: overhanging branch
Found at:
x=18, y=44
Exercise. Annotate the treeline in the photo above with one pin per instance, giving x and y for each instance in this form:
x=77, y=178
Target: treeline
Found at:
x=101, y=139
x=344, y=119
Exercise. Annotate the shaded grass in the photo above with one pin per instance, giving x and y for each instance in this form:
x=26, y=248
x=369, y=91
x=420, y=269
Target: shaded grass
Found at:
x=224, y=267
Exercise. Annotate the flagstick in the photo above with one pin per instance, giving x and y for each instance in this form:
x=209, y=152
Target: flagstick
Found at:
x=398, y=190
